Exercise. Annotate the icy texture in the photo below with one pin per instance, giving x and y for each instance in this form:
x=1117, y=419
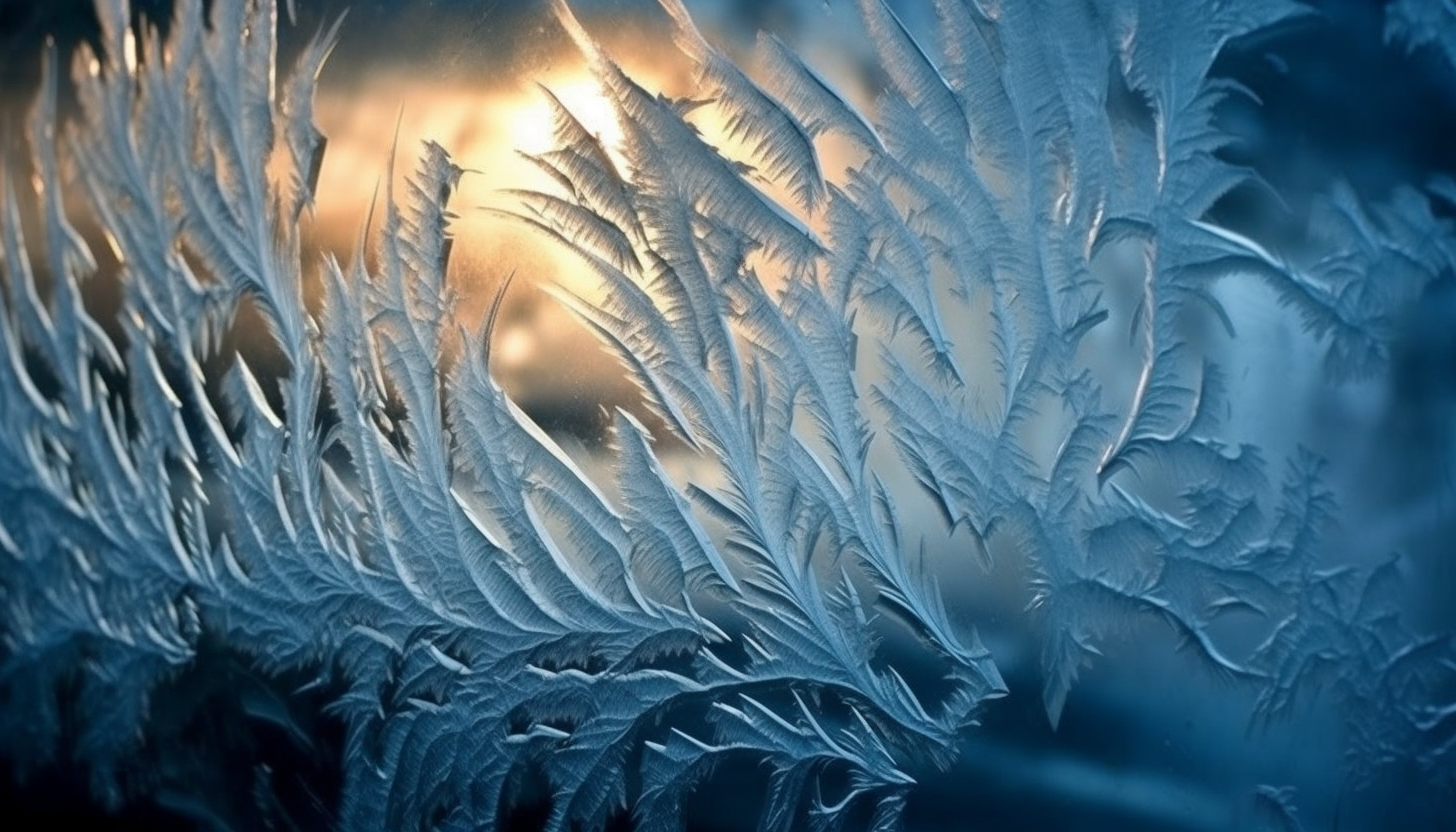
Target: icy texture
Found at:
x=390, y=519
x=1417, y=24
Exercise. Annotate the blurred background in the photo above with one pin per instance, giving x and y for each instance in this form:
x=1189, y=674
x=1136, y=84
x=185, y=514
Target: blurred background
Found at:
x=1143, y=744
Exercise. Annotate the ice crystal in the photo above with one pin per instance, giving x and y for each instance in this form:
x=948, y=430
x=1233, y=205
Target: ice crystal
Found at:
x=383, y=517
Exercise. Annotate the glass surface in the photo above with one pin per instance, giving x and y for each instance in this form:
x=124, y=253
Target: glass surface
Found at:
x=728, y=415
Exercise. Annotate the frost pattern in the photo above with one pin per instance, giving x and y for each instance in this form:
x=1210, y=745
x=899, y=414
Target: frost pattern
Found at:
x=488, y=614
x=1415, y=24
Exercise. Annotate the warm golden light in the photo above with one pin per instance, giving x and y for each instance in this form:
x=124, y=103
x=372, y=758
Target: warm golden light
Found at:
x=486, y=128
x=531, y=121
x=489, y=124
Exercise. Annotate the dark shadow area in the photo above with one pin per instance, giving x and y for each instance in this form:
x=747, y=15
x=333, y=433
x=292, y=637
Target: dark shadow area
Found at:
x=227, y=748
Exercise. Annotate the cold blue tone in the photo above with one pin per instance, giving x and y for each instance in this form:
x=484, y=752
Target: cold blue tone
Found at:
x=1038, y=414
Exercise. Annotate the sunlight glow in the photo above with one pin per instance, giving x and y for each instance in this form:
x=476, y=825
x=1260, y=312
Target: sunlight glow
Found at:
x=531, y=124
